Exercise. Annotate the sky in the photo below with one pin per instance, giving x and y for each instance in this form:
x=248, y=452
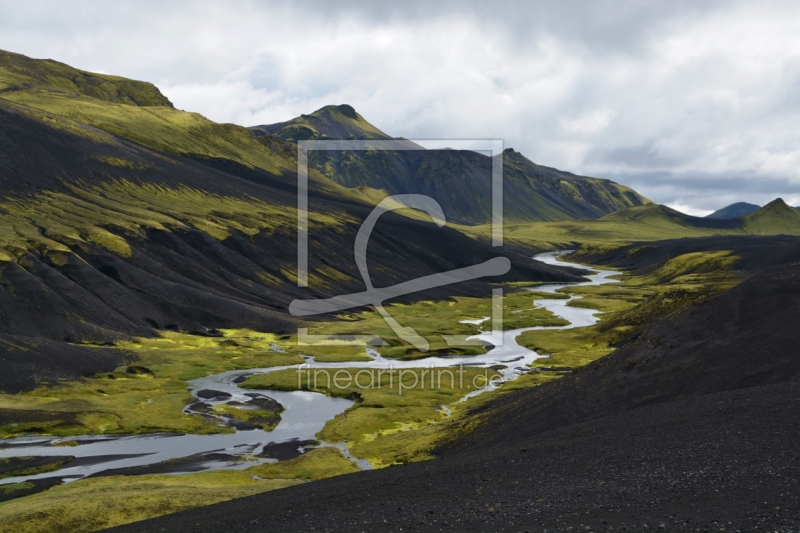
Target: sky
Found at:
x=694, y=104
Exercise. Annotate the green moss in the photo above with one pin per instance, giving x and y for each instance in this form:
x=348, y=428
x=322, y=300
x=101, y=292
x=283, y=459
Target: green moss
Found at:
x=266, y=419
x=30, y=470
x=693, y=263
x=649, y=222
x=99, y=503
x=125, y=402
x=331, y=354
x=111, y=214
x=163, y=128
x=317, y=463
x=15, y=487
x=18, y=72
x=432, y=320
x=390, y=403
x=123, y=163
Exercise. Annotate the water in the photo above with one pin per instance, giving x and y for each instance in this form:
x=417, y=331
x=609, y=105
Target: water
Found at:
x=306, y=413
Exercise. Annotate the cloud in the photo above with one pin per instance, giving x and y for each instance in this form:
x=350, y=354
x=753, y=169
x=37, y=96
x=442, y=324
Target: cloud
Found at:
x=693, y=103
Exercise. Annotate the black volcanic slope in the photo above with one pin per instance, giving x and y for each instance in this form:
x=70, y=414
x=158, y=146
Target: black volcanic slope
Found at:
x=693, y=426
x=179, y=277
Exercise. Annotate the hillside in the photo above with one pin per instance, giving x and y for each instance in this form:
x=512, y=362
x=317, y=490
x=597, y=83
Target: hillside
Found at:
x=120, y=216
x=676, y=430
x=736, y=210
x=774, y=218
x=459, y=180
x=649, y=223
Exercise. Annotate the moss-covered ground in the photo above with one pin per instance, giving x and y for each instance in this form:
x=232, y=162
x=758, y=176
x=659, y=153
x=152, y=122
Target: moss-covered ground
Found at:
x=626, y=306
x=51, y=222
x=317, y=463
x=99, y=503
x=388, y=402
x=384, y=426
x=145, y=397
x=431, y=320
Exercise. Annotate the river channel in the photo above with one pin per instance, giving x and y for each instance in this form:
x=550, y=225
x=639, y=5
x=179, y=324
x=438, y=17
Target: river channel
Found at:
x=305, y=413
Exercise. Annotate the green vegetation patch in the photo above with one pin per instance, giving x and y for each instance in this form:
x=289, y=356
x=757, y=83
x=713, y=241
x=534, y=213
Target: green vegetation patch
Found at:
x=649, y=222
x=260, y=412
x=146, y=397
x=682, y=267
x=30, y=466
x=104, y=502
x=388, y=403
x=15, y=487
x=114, y=214
x=638, y=300
x=331, y=354
x=432, y=320
x=317, y=463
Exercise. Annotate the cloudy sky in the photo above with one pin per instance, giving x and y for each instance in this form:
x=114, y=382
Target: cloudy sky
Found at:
x=695, y=104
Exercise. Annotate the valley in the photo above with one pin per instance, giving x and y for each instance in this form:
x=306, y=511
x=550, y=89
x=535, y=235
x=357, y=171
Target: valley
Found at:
x=150, y=366
x=384, y=427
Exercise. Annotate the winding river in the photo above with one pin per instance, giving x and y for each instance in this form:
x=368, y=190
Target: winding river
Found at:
x=305, y=412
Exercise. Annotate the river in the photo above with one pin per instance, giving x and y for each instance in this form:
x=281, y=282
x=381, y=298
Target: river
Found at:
x=305, y=412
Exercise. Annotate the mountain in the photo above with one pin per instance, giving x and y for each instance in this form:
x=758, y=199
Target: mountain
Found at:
x=329, y=122
x=19, y=73
x=460, y=180
x=652, y=222
x=121, y=215
x=736, y=210
x=774, y=218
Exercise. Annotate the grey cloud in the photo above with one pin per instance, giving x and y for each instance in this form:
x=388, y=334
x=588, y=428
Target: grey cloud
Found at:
x=691, y=101
x=708, y=191
x=641, y=156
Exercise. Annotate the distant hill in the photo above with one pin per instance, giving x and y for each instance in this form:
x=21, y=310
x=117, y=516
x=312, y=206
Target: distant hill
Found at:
x=653, y=222
x=459, y=180
x=774, y=218
x=736, y=210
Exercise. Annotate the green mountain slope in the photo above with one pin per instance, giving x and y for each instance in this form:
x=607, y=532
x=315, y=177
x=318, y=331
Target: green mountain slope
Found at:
x=651, y=222
x=21, y=73
x=131, y=109
x=459, y=180
x=736, y=210
x=330, y=122
x=774, y=218
x=121, y=218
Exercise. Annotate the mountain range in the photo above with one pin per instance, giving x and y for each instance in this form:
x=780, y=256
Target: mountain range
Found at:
x=121, y=215
x=736, y=210
x=460, y=180
x=651, y=222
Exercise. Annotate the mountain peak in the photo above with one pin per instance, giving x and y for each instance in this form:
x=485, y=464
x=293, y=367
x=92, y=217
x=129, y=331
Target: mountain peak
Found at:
x=329, y=122
x=777, y=204
x=343, y=109
x=775, y=217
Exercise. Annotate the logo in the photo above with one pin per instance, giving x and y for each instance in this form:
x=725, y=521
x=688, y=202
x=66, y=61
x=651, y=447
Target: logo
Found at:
x=376, y=297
